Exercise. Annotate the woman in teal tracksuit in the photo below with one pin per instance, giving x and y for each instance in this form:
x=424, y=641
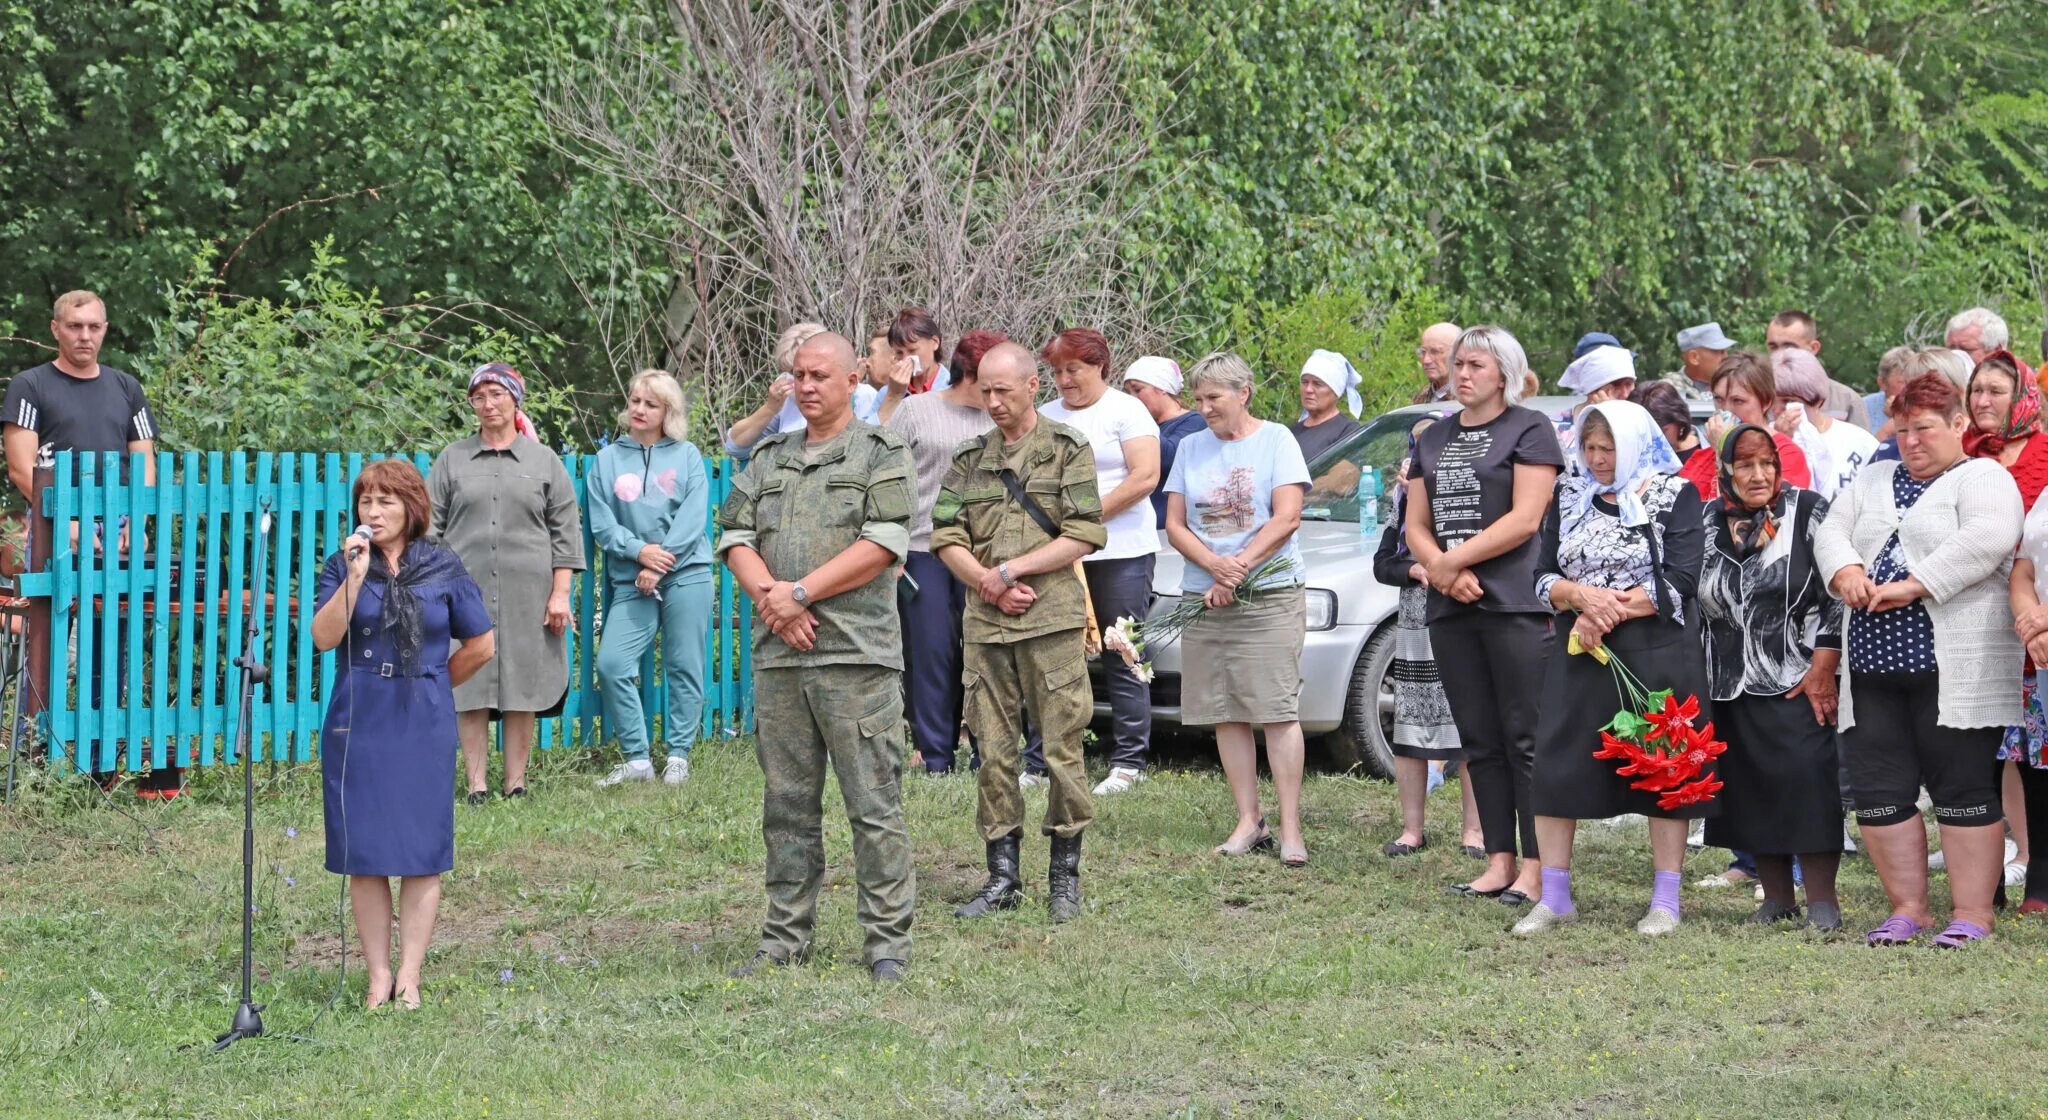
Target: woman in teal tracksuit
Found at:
x=649, y=500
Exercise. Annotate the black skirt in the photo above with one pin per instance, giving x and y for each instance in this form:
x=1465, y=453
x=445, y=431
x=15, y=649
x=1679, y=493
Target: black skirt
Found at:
x=1783, y=794
x=1580, y=697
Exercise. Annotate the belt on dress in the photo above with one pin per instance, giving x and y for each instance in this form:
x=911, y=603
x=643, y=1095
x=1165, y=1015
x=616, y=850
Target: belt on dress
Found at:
x=387, y=669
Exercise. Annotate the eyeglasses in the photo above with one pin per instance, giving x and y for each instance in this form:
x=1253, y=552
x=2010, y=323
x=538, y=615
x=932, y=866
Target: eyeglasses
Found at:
x=1432, y=351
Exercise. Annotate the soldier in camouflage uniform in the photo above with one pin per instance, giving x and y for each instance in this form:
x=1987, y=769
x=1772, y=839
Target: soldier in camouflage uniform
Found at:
x=813, y=532
x=1025, y=617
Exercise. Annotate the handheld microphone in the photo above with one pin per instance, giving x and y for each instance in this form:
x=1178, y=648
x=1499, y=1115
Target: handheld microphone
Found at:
x=358, y=541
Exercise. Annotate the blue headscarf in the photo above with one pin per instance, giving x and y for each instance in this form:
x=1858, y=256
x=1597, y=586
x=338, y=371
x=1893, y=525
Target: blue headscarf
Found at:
x=1640, y=453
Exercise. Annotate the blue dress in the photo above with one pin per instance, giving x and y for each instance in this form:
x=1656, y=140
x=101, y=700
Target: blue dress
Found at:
x=390, y=804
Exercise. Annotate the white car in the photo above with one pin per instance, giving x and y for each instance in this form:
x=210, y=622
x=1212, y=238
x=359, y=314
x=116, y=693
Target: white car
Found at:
x=1347, y=695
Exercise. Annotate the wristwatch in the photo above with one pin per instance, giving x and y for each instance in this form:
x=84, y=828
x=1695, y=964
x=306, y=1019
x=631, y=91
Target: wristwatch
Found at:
x=797, y=592
x=1003, y=570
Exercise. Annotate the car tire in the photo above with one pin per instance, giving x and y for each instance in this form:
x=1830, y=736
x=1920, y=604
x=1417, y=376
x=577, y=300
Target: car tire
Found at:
x=1364, y=740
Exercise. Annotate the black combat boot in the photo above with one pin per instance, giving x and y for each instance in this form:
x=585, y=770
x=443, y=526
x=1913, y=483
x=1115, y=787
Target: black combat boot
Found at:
x=1004, y=886
x=1063, y=879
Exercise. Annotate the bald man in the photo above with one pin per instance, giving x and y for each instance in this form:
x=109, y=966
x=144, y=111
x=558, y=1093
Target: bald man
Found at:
x=1434, y=351
x=814, y=531
x=1018, y=509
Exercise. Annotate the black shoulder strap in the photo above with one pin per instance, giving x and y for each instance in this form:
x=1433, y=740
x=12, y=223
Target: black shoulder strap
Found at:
x=1037, y=512
x=1660, y=594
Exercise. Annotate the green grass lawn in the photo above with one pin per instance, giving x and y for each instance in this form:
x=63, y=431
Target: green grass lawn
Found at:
x=580, y=970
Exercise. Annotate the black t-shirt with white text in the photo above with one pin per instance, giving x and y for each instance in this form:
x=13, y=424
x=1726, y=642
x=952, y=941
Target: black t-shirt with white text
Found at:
x=104, y=413
x=1469, y=475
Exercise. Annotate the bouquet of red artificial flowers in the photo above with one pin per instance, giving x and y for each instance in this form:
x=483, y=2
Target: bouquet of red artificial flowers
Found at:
x=1655, y=739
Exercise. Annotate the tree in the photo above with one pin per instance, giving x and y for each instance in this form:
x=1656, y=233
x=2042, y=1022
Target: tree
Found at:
x=836, y=161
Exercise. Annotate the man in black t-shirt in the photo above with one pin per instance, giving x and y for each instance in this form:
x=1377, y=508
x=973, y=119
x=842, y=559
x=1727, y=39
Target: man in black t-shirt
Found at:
x=73, y=403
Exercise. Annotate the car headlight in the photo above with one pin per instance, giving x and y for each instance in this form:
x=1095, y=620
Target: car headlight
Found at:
x=1322, y=609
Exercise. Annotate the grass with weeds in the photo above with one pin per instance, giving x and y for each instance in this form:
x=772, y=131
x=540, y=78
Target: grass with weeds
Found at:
x=580, y=970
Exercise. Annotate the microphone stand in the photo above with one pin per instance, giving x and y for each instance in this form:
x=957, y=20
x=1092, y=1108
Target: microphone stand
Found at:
x=248, y=1021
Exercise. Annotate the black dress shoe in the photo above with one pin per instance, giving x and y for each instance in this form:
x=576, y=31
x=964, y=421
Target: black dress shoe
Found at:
x=760, y=961
x=887, y=971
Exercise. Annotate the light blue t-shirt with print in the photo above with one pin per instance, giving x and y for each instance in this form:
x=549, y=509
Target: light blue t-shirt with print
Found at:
x=1228, y=488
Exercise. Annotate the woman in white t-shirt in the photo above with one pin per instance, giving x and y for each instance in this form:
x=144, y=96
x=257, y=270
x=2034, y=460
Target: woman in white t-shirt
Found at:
x=1233, y=503
x=1126, y=443
x=1835, y=449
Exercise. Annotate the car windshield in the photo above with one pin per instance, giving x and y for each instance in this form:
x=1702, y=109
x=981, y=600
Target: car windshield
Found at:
x=1383, y=446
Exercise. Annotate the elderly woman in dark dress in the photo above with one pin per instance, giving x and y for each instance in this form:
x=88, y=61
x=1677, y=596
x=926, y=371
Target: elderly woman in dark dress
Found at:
x=1774, y=647
x=1620, y=562
x=507, y=507
x=387, y=748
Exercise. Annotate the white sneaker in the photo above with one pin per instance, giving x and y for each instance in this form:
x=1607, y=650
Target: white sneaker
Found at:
x=2012, y=852
x=1120, y=779
x=1657, y=922
x=676, y=772
x=2015, y=874
x=1696, y=836
x=1848, y=841
x=1541, y=918
x=1032, y=781
x=638, y=770
x=1938, y=861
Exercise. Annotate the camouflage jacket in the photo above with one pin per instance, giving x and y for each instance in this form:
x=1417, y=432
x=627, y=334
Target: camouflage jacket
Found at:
x=975, y=512
x=799, y=512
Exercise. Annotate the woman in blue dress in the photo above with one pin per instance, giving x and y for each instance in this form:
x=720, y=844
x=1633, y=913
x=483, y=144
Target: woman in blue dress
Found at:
x=389, y=811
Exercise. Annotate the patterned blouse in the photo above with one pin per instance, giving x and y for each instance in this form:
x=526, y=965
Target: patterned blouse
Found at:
x=1899, y=640
x=1767, y=612
x=1598, y=550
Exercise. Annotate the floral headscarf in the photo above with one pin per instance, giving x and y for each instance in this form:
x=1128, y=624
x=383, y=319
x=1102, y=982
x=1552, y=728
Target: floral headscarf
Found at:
x=1750, y=530
x=508, y=379
x=2025, y=418
x=1640, y=453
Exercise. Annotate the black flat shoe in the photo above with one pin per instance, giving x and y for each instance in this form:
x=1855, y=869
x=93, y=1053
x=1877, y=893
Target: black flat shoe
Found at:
x=515, y=791
x=1466, y=890
x=1513, y=897
x=1474, y=851
x=1394, y=849
x=479, y=797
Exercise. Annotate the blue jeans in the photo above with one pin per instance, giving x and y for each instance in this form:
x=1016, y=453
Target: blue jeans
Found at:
x=682, y=616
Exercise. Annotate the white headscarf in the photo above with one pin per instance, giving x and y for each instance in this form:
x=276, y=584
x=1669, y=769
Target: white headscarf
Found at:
x=1602, y=365
x=1334, y=369
x=1640, y=453
x=1162, y=374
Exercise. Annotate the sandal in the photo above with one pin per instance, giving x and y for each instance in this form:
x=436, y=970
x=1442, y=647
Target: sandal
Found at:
x=1260, y=841
x=1960, y=933
x=1294, y=857
x=1394, y=849
x=1896, y=930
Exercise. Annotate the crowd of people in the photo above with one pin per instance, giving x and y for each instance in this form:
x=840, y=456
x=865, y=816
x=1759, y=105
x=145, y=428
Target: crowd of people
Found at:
x=1851, y=587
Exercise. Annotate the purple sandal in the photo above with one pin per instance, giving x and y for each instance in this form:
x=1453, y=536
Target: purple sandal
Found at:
x=1960, y=933
x=1896, y=930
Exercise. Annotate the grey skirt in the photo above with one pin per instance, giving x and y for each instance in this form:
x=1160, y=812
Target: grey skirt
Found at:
x=1242, y=664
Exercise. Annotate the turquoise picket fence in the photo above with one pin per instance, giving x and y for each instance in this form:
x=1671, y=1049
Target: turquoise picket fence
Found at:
x=156, y=631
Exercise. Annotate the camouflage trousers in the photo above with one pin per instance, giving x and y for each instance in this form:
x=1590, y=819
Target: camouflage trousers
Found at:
x=851, y=715
x=1045, y=678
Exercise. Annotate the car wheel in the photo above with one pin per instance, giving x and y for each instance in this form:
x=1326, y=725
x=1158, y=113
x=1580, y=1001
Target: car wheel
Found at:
x=1365, y=740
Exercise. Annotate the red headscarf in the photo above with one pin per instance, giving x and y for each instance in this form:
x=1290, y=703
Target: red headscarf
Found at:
x=2023, y=421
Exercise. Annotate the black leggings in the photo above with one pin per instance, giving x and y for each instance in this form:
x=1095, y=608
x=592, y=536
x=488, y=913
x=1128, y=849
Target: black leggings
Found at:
x=2034, y=785
x=1492, y=668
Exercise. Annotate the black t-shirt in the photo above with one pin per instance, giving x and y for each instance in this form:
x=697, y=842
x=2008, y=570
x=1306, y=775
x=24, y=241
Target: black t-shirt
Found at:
x=104, y=413
x=1469, y=475
x=1322, y=437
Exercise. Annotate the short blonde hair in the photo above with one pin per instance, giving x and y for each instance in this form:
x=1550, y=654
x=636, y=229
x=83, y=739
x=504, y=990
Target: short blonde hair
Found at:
x=69, y=300
x=675, y=416
x=792, y=340
x=1507, y=355
x=1222, y=368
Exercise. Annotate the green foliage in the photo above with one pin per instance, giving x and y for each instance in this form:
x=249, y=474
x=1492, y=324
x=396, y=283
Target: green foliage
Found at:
x=325, y=367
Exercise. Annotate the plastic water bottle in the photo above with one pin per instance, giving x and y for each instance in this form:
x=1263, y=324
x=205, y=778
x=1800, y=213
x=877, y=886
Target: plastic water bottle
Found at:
x=1369, y=508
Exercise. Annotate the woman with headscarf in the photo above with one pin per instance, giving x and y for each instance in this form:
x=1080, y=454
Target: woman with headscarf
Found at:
x=1620, y=564
x=1774, y=649
x=390, y=608
x=1600, y=370
x=1157, y=384
x=1327, y=381
x=2005, y=416
x=1424, y=732
x=507, y=507
x=1920, y=551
